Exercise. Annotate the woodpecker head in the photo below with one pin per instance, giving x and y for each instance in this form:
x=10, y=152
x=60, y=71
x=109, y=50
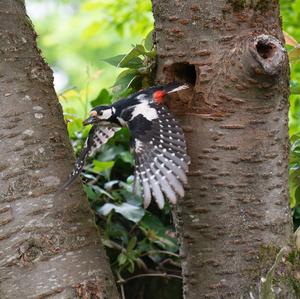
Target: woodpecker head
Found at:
x=99, y=114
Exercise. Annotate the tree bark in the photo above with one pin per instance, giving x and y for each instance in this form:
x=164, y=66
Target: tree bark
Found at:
x=49, y=245
x=235, y=216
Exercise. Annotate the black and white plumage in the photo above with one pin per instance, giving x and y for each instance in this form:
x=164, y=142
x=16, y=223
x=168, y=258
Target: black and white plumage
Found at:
x=158, y=142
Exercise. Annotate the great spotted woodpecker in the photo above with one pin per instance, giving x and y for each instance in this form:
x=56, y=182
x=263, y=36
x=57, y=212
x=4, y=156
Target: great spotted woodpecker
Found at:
x=158, y=143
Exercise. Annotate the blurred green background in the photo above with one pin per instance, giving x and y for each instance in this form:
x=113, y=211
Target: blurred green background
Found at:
x=76, y=36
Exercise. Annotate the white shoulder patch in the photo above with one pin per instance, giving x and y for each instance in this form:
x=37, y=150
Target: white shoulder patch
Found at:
x=144, y=109
x=141, y=96
x=122, y=121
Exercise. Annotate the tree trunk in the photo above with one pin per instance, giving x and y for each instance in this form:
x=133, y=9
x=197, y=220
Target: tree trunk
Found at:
x=235, y=216
x=49, y=245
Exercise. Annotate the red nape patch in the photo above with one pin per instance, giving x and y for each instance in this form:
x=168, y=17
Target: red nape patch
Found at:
x=158, y=96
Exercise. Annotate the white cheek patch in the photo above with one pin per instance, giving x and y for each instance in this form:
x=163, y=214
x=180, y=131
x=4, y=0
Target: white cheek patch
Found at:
x=107, y=113
x=145, y=110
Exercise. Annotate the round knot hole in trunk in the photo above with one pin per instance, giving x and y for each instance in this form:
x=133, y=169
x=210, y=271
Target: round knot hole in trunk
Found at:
x=265, y=49
x=268, y=53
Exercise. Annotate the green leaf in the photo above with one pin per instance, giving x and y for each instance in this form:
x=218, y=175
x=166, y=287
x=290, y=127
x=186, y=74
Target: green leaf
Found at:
x=90, y=192
x=152, y=222
x=122, y=258
x=297, y=196
x=296, y=212
x=130, y=212
x=100, y=166
x=133, y=57
x=295, y=148
x=130, y=60
x=102, y=98
x=110, y=152
x=134, y=63
x=149, y=41
x=73, y=127
x=131, y=266
x=158, y=233
x=101, y=191
x=124, y=80
x=115, y=60
x=126, y=157
x=131, y=244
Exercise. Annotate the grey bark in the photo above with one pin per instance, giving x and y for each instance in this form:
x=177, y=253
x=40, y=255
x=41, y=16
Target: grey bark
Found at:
x=49, y=245
x=235, y=216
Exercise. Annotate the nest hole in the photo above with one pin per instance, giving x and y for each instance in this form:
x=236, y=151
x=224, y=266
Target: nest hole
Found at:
x=265, y=49
x=183, y=72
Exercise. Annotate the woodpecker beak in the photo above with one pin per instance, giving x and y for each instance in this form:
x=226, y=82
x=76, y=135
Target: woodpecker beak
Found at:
x=92, y=119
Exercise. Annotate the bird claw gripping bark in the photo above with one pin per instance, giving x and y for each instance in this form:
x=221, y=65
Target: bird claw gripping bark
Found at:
x=158, y=142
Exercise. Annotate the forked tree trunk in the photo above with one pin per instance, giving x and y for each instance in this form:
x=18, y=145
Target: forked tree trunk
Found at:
x=49, y=245
x=235, y=216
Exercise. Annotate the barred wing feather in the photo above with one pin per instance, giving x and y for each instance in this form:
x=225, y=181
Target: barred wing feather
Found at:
x=161, y=161
x=97, y=137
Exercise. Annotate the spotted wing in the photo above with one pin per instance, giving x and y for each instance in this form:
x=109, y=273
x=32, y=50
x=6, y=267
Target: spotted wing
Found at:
x=96, y=138
x=161, y=161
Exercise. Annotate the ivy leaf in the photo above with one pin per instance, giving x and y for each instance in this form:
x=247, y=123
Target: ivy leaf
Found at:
x=130, y=212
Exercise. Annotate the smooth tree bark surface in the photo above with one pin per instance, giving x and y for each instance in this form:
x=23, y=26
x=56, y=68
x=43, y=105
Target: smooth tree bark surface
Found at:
x=49, y=245
x=235, y=216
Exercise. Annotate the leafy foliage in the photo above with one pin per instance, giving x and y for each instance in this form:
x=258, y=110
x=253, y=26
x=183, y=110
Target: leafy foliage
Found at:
x=86, y=51
x=139, y=240
x=139, y=64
